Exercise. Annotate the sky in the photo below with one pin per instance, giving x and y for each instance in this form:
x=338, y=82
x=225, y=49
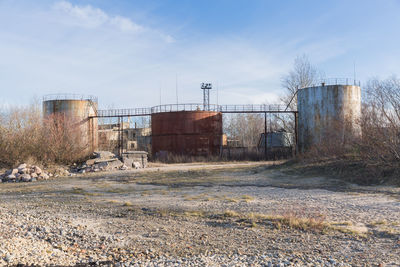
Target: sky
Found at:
x=136, y=53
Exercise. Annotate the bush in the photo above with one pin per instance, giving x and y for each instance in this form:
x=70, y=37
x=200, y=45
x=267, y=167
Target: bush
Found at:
x=26, y=137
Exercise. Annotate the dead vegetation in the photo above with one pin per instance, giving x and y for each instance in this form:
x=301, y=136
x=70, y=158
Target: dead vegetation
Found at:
x=26, y=137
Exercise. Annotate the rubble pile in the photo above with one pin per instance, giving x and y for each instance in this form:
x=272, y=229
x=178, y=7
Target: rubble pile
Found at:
x=107, y=161
x=25, y=173
x=101, y=161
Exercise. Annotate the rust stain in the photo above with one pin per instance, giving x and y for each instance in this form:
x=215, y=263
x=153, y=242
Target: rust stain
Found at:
x=197, y=133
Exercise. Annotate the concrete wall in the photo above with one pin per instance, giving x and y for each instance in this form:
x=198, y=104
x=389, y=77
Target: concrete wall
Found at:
x=324, y=109
x=79, y=111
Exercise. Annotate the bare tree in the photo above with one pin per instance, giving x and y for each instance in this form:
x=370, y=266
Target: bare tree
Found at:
x=245, y=128
x=302, y=75
x=381, y=121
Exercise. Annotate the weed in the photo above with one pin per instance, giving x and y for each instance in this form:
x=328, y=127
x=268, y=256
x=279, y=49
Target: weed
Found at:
x=128, y=204
x=380, y=222
x=247, y=198
x=230, y=213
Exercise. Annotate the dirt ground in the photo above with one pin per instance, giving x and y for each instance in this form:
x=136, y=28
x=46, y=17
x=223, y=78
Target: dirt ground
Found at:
x=234, y=214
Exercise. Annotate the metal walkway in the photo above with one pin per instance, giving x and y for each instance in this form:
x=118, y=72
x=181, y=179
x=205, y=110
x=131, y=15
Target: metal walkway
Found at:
x=192, y=107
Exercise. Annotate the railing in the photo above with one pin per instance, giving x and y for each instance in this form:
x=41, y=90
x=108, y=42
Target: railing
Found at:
x=184, y=107
x=251, y=108
x=124, y=112
x=70, y=97
x=193, y=107
x=336, y=81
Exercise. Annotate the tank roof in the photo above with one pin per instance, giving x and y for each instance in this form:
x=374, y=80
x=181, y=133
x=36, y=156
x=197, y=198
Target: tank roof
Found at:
x=334, y=81
x=51, y=97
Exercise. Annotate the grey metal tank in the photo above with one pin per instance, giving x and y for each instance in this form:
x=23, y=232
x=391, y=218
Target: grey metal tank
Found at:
x=328, y=110
x=78, y=108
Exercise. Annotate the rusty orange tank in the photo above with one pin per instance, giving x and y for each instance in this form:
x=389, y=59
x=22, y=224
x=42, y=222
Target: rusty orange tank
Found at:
x=195, y=133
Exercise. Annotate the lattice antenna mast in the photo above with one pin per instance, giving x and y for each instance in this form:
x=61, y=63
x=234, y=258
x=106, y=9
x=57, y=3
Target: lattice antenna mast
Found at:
x=206, y=87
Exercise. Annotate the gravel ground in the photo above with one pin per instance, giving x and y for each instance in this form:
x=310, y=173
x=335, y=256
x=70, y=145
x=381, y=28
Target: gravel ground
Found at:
x=177, y=216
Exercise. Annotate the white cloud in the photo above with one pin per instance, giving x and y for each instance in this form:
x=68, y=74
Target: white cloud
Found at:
x=91, y=17
x=84, y=49
x=125, y=24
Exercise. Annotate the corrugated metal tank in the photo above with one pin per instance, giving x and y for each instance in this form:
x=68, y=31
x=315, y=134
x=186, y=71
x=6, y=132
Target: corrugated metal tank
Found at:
x=323, y=110
x=79, y=111
x=196, y=133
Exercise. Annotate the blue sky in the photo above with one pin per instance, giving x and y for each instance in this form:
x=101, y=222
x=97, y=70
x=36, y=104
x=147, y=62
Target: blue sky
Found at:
x=126, y=52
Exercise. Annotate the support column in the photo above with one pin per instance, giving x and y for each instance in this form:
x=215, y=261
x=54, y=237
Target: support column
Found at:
x=265, y=136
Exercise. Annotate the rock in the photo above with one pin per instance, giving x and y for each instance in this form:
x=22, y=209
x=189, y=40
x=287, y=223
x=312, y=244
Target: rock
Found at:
x=89, y=162
x=11, y=171
x=37, y=170
x=11, y=177
x=34, y=175
x=137, y=165
x=25, y=177
x=108, y=164
x=44, y=176
x=23, y=170
x=22, y=166
x=104, y=155
x=33, y=179
x=82, y=171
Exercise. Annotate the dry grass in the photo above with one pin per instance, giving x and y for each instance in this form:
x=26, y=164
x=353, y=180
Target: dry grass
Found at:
x=289, y=220
x=26, y=137
x=81, y=191
x=379, y=222
x=127, y=204
x=247, y=198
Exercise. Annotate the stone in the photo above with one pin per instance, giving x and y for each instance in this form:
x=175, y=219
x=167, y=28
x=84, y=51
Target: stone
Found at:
x=23, y=170
x=11, y=171
x=90, y=162
x=44, y=176
x=34, y=175
x=11, y=177
x=108, y=164
x=22, y=166
x=104, y=155
x=37, y=170
x=128, y=162
x=136, y=165
x=25, y=177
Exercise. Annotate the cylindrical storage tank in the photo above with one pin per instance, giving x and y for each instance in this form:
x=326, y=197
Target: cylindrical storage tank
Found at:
x=79, y=110
x=328, y=111
x=195, y=133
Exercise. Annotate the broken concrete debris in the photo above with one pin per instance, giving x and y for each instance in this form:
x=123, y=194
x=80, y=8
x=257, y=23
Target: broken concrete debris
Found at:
x=107, y=161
